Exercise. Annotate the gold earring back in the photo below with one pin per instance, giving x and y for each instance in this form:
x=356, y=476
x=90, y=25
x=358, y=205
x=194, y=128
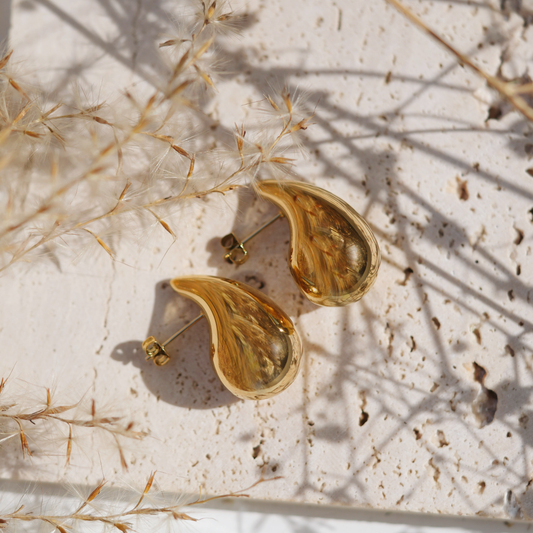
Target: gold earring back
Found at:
x=236, y=252
x=155, y=351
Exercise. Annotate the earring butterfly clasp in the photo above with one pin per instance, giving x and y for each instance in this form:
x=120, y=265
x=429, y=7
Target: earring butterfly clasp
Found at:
x=237, y=253
x=155, y=351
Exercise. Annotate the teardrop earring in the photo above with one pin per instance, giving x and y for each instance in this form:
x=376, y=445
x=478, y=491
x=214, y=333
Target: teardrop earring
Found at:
x=333, y=257
x=255, y=348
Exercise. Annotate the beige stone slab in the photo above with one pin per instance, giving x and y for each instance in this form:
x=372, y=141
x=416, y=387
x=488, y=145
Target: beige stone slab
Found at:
x=381, y=413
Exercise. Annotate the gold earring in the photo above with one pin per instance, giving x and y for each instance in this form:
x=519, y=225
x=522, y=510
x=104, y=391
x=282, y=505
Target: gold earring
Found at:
x=334, y=256
x=255, y=348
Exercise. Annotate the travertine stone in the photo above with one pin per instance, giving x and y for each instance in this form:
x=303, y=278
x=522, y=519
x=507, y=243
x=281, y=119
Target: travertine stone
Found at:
x=385, y=410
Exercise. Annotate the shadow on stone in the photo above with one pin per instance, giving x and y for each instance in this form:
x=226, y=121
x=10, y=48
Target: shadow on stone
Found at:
x=189, y=379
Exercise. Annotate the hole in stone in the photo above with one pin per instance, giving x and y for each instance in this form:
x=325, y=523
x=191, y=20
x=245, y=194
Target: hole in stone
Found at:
x=519, y=236
x=462, y=189
x=363, y=418
x=511, y=505
x=436, y=471
x=254, y=281
x=442, y=439
x=412, y=344
x=486, y=402
x=495, y=113
x=408, y=271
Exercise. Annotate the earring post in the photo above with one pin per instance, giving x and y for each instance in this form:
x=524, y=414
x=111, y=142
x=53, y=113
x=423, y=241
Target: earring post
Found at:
x=155, y=351
x=183, y=329
x=264, y=226
x=236, y=247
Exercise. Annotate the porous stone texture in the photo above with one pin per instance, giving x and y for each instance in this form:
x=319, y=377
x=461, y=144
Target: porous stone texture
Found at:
x=386, y=411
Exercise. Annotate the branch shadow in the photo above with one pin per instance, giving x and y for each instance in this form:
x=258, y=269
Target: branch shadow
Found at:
x=190, y=381
x=441, y=231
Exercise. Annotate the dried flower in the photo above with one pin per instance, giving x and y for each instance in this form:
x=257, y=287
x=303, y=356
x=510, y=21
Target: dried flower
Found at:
x=42, y=425
x=82, y=174
x=100, y=509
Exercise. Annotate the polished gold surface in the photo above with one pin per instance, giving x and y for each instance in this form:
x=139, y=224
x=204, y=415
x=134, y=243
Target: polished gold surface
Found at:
x=334, y=256
x=155, y=351
x=255, y=348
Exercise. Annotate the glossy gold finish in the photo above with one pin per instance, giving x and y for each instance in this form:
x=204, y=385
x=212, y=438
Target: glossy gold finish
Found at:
x=334, y=257
x=255, y=348
x=155, y=351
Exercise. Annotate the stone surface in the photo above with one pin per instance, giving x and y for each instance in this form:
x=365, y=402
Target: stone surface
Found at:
x=386, y=411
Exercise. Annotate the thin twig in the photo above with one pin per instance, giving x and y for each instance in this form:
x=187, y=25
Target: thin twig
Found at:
x=508, y=90
x=119, y=520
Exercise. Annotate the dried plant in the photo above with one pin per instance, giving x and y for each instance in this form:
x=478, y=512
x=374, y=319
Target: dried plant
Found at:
x=44, y=421
x=513, y=91
x=118, y=516
x=78, y=174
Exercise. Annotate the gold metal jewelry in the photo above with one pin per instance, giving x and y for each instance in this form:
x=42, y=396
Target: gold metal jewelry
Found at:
x=333, y=257
x=237, y=253
x=255, y=348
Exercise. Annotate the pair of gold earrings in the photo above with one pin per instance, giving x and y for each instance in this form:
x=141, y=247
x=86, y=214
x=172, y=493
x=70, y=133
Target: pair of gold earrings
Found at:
x=333, y=258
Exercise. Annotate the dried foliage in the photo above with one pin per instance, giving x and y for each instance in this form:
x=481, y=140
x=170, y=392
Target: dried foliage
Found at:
x=44, y=421
x=95, y=510
x=516, y=92
x=77, y=174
